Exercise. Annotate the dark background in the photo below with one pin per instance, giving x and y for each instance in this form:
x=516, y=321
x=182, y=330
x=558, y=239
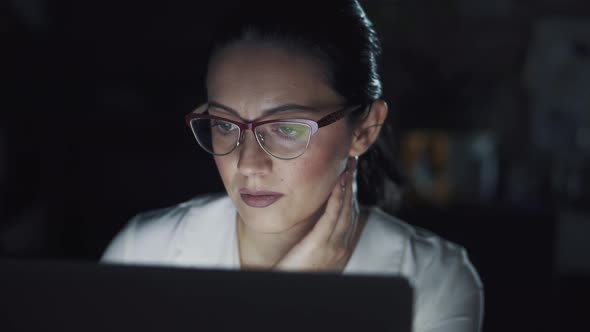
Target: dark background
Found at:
x=92, y=132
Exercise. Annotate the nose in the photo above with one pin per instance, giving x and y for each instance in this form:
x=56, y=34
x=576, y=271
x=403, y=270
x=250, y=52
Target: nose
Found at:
x=253, y=160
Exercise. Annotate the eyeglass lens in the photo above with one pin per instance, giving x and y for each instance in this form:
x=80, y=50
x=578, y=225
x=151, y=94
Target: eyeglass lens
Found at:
x=285, y=140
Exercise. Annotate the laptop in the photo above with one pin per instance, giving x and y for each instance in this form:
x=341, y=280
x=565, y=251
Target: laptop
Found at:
x=84, y=296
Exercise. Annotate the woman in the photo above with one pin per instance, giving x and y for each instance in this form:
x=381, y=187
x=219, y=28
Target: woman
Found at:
x=293, y=111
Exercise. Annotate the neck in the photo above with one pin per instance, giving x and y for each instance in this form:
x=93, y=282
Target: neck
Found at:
x=263, y=250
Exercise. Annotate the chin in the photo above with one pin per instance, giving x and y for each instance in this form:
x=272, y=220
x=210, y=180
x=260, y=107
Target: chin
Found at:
x=264, y=221
x=277, y=218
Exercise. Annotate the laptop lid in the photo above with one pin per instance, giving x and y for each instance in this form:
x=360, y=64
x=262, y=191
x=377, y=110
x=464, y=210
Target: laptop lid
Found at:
x=70, y=296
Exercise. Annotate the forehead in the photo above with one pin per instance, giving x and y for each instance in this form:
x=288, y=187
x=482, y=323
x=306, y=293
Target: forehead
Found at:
x=250, y=78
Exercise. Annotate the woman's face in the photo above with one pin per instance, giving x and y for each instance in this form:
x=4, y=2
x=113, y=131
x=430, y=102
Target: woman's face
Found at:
x=251, y=79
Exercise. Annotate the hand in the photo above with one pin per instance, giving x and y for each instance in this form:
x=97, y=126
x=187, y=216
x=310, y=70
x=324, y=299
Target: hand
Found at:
x=328, y=246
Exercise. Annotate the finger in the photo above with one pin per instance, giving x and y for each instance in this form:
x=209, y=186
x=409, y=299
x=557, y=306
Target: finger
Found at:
x=345, y=218
x=325, y=225
x=352, y=230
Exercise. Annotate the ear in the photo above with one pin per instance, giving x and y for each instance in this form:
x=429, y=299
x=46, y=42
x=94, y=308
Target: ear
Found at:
x=368, y=130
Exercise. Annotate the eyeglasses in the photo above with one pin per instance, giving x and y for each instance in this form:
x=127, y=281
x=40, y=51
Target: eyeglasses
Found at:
x=282, y=139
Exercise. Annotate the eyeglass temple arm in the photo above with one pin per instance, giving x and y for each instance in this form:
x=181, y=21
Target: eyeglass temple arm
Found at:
x=333, y=117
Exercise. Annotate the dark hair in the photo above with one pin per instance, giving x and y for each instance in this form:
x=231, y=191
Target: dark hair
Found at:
x=341, y=37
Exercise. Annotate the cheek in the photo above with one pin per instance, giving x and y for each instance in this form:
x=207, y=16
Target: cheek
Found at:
x=224, y=168
x=318, y=170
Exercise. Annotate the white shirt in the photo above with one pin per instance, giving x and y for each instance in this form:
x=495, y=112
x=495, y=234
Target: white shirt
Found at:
x=202, y=233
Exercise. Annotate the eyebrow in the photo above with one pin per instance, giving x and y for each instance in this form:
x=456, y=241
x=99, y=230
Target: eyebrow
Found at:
x=273, y=110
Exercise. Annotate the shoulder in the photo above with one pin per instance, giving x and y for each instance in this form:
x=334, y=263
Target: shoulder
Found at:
x=420, y=250
x=448, y=290
x=148, y=236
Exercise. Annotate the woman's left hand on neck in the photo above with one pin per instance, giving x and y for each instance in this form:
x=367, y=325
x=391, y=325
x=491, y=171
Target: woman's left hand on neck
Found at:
x=330, y=243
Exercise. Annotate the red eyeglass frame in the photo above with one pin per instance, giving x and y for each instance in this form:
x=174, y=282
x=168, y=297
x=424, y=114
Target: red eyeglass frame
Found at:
x=244, y=126
x=315, y=125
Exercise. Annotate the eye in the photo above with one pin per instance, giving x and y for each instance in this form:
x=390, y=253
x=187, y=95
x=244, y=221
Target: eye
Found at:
x=291, y=130
x=288, y=130
x=223, y=127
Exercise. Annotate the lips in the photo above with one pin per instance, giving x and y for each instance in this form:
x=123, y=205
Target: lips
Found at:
x=260, y=198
